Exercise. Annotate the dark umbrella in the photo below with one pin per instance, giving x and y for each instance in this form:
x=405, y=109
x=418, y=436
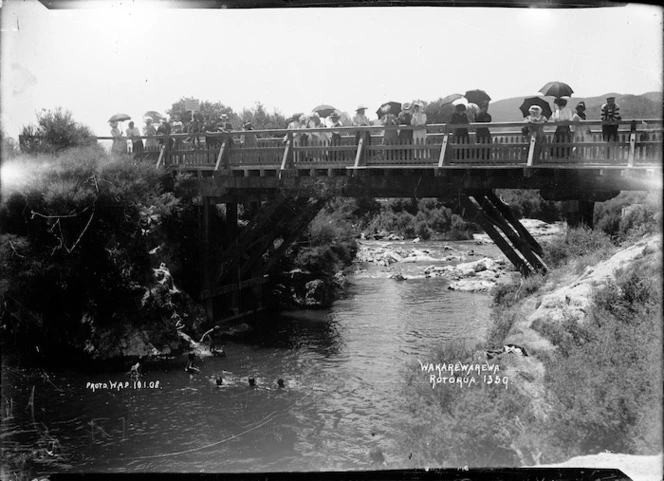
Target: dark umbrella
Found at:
x=395, y=108
x=450, y=98
x=557, y=89
x=477, y=97
x=119, y=118
x=325, y=110
x=530, y=101
x=154, y=115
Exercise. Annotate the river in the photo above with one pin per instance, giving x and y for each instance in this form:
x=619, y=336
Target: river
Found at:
x=343, y=369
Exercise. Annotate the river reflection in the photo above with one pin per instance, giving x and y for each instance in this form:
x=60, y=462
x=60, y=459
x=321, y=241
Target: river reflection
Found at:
x=343, y=370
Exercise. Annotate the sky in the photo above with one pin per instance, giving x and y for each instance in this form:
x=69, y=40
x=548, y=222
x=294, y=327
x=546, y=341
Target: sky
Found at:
x=128, y=58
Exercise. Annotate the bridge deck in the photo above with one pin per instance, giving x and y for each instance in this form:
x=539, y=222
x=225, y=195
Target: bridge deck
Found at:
x=635, y=155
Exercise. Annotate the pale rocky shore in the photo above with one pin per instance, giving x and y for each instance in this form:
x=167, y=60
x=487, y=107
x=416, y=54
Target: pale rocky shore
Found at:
x=469, y=268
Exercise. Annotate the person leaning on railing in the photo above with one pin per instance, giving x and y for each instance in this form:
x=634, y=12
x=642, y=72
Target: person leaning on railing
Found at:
x=419, y=119
x=581, y=132
x=535, y=128
x=461, y=136
x=482, y=134
x=610, y=112
x=134, y=134
x=150, y=132
x=119, y=142
x=405, y=135
x=563, y=134
x=335, y=139
x=361, y=120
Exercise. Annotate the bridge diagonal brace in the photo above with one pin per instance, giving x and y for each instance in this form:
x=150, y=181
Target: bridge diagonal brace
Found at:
x=285, y=224
x=478, y=216
x=507, y=213
x=495, y=217
x=293, y=234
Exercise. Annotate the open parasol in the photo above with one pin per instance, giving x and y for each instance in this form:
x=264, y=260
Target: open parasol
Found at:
x=557, y=89
x=478, y=97
x=325, y=110
x=119, y=118
x=530, y=101
x=154, y=115
x=449, y=99
x=395, y=108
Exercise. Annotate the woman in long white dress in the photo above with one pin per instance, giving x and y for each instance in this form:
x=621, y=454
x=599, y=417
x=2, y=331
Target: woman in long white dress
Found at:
x=119, y=141
x=419, y=119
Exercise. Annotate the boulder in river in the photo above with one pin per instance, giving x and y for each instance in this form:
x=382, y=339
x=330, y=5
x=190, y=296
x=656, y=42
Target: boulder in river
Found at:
x=472, y=285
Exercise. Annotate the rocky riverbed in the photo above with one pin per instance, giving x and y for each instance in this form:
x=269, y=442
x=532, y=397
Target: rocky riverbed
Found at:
x=471, y=266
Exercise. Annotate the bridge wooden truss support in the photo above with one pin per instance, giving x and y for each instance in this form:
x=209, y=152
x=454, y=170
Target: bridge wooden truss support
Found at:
x=500, y=223
x=237, y=262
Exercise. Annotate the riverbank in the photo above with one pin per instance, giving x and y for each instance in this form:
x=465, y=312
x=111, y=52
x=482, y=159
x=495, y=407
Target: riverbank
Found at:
x=581, y=351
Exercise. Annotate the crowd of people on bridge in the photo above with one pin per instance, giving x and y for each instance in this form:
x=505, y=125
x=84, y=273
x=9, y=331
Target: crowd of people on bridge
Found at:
x=410, y=114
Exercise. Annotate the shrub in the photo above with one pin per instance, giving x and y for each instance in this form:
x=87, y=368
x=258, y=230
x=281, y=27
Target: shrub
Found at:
x=55, y=131
x=642, y=215
x=577, y=242
x=73, y=239
x=529, y=204
x=608, y=376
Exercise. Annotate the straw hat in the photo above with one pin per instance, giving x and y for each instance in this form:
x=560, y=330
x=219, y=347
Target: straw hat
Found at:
x=405, y=106
x=223, y=116
x=535, y=108
x=360, y=107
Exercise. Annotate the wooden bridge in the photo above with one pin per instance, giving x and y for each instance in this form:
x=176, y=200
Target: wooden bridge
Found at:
x=285, y=177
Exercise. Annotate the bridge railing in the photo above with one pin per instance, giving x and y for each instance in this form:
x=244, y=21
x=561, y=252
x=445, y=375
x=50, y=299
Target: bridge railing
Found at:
x=504, y=144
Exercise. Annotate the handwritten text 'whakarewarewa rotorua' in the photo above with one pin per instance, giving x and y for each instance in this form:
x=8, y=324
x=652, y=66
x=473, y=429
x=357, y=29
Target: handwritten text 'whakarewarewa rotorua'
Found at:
x=120, y=385
x=462, y=374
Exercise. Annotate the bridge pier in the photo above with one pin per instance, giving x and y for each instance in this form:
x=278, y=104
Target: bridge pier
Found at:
x=234, y=274
x=579, y=212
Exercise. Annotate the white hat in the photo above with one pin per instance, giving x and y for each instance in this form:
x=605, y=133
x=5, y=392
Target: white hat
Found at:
x=360, y=107
x=535, y=108
x=462, y=100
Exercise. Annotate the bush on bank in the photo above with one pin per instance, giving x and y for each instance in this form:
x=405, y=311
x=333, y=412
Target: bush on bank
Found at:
x=77, y=228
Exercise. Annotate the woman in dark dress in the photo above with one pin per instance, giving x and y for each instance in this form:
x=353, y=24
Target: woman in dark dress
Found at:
x=391, y=136
x=482, y=135
x=405, y=135
x=460, y=133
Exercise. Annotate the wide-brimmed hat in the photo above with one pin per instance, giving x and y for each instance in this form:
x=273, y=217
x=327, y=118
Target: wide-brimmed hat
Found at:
x=535, y=108
x=360, y=107
x=246, y=125
x=406, y=106
x=417, y=103
x=581, y=105
x=223, y=116
x=386, y=108
x=610, y=98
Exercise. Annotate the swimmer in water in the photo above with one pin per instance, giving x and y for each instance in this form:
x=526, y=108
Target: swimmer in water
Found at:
x=252, y=382
x=280, y=383
x=219, y=381
x=191, y=368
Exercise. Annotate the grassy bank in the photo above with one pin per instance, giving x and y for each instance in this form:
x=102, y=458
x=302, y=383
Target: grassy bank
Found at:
x=596, y=387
